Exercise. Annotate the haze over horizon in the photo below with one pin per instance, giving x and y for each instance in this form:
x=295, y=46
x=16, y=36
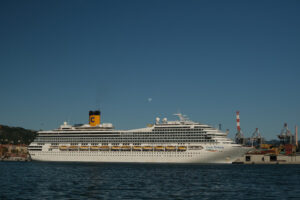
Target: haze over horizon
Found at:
x=136, y=60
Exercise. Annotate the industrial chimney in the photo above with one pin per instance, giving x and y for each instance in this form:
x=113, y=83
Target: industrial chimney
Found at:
x=296, y=136
x=238, y=121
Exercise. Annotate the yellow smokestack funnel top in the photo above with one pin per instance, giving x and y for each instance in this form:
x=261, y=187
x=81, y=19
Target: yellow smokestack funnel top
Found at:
x=94, y=118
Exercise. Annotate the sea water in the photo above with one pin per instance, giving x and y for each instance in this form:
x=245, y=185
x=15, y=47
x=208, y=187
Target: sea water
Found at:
x=58, y=180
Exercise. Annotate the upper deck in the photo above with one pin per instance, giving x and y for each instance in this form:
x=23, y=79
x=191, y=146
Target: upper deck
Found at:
x=181, y=126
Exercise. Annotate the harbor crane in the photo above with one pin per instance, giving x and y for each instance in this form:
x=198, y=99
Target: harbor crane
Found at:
x=256, y=138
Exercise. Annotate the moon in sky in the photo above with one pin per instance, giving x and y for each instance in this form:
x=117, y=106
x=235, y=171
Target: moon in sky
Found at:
x=149, y=99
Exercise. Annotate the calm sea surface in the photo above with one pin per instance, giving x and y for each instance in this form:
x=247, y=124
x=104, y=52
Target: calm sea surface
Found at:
x=43, y=180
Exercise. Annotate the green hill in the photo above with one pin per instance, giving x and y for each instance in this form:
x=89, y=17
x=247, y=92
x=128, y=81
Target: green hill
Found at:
x=16, y=135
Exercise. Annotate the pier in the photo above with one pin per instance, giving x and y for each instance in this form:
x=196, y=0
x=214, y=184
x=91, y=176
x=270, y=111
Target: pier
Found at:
x=268, y=159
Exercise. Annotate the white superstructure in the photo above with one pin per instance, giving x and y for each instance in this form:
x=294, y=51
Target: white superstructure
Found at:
x=182, y=141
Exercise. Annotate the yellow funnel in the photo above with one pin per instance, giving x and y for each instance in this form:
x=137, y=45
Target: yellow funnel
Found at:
x=94, y=118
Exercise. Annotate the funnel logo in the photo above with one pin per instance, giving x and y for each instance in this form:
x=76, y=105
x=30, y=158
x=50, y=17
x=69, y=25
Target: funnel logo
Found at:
x=93, y=119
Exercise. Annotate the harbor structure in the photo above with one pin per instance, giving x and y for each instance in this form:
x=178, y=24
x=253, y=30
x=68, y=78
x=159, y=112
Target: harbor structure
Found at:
x=256, y=138
x=239, y=137
x=268, y=159
x=285, y=136
x=283, y=153
x=10, y=152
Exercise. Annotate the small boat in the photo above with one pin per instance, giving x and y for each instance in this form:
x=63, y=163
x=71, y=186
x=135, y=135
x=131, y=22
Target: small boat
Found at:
x=115, y=148
x=94, y=148
x=73, y=148
x=136, y=148
x=195, y=147
x=63, y=147
x=84, y=148
x=170, y=148
x=104, y=148
x=159, y=148
x=125, y=148
x=181, y=148
x=147, y=148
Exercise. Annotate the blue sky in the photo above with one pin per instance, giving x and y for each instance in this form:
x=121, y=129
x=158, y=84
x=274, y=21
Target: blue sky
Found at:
x=207, y=59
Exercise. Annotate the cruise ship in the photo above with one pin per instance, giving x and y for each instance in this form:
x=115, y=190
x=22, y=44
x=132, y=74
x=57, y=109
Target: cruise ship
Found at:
x=181, y=141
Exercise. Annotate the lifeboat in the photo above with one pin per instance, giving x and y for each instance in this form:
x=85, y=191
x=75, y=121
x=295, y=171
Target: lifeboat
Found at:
x=84, y=148
x=53, y=147
x=136, y=148
x=147, y=148
x=170, y=148
x=115, y=148
x=125, y=148
x=104, y=148
x=94, y=148
x=63, y=147
x=195, y=147
x=181, y=148
x=159, y=148
x=73, y=148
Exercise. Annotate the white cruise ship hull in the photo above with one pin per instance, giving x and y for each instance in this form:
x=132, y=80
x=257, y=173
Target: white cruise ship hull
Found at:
x=182, y=141
x=226, y=156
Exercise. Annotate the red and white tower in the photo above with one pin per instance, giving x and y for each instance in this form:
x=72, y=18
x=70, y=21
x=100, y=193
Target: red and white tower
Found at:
x=239, y=137
x=238, y=121
x=296, y=136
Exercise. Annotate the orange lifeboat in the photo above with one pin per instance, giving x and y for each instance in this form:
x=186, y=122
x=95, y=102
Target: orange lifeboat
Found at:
x=84, y=148
x=136, y=148
x=147, y=148
x=125, y=148
x=181, y=148
x=115, y=148
x=170, y=148
x=159, y=148
x=104, y=148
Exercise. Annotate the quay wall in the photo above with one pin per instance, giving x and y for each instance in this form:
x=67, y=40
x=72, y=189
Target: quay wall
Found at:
x=268, y=159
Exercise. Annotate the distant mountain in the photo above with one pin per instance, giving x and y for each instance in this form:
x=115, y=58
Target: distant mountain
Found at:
x=16, y=135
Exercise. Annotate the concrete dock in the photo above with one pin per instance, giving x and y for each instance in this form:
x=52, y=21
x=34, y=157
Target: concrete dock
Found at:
x=268, y=159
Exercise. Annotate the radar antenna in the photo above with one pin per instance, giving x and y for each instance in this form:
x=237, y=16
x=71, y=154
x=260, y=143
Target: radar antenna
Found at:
x=182, y=118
